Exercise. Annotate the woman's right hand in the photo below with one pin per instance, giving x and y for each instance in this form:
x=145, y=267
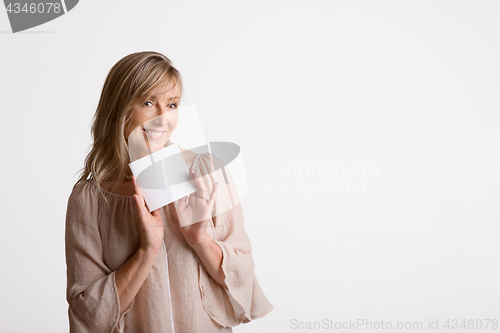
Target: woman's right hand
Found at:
x=150, y=225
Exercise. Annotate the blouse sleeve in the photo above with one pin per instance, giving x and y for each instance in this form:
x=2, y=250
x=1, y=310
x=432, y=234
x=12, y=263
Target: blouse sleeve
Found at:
x=242, y=300
x=91, y=293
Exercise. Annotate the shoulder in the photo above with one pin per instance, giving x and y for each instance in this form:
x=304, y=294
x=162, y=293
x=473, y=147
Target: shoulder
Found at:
x=189, y=156
x=84, y=188
x=196, y=161
x=82, y=206
x=82, y=195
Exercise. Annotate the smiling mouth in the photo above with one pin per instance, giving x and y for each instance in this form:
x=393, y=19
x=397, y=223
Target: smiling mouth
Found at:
x=155, y=135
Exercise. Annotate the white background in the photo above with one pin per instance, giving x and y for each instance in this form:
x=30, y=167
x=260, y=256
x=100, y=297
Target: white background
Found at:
x=409, y=88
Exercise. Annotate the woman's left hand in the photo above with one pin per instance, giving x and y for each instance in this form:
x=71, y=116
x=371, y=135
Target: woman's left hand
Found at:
x=195, y=212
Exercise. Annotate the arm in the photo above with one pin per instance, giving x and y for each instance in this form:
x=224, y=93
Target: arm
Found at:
x=132, y=274
x=210, y=255
x=91, y=291
x=194, y=217
x=239, y=299
x=98, y=297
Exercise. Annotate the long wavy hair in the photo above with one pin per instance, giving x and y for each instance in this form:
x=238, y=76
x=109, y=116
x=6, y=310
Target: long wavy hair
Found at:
x=128, y=81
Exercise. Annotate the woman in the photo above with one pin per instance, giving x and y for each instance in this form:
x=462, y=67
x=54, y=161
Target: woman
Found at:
x=129, y=270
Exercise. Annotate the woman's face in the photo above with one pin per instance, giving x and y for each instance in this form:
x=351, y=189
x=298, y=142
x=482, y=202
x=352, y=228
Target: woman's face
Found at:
x=154, y=119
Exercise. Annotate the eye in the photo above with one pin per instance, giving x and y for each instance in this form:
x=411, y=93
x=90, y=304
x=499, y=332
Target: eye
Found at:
x=146, y=103
x=172, y=106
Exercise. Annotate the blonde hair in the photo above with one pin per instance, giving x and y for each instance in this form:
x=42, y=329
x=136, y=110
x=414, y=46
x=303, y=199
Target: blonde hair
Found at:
x=127, y=82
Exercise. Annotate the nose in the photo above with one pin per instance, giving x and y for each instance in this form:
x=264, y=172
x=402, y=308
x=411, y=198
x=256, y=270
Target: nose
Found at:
x=161, y=119
x=164, y=109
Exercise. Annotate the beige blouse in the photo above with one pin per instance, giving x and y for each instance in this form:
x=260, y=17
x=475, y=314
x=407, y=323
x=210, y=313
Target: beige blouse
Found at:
x=100, y=237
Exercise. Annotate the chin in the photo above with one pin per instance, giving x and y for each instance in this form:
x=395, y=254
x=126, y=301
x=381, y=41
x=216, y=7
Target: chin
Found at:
x=157, y=146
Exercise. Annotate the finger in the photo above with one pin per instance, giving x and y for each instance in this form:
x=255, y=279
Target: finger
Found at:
x=137, y=188
x=211, y=200
x=182, y=203
x=156, y=213
x=199, y=184
x=139, y=199
x=140, y=206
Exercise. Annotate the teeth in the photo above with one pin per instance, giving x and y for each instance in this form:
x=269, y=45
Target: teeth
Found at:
x=153, y=133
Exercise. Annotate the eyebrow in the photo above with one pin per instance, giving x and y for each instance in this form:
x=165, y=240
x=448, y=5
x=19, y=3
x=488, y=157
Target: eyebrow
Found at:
x=154, y=96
